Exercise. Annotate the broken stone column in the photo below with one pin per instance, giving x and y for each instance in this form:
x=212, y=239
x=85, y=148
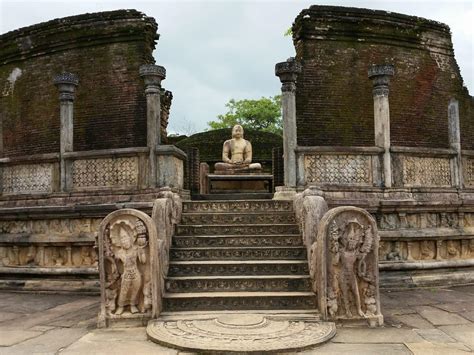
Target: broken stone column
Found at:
x=153, y=75
x=455, y=141
x=66, y=84
x=380, y=76
x=288, y=73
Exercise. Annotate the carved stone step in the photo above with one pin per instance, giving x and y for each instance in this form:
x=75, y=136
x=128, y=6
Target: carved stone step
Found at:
x=239, y=218
x=238, y=241
x=235, y=267
x=238, y=206
x=266, y=283
x=231, y=253
x=229, y=229
x=218, y=301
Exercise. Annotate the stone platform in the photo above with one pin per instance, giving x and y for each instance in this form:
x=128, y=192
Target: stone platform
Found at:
x=240, y=183
x=232, y=332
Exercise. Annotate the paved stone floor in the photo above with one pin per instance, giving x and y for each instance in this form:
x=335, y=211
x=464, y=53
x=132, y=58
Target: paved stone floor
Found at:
x=424, y=321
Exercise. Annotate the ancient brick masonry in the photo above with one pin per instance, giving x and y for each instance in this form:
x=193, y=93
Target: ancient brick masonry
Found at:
x=336, y=46
x=105, y=51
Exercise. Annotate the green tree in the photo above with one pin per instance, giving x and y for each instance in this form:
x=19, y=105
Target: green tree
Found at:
x=263, y=114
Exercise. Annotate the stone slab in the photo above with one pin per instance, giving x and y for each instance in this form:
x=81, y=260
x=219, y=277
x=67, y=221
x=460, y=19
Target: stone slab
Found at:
x=469, y=315
x=359, y=349
x=31, y=302
x=5, y=316
x=11, y=337
x=414, y=321
x=435, y=336
x=462, y=333
x=122, y=341
x=50, y=342
x=425, y=348
x=460, y=307
x=439, y=317
x=46, y=316
x=376, y=336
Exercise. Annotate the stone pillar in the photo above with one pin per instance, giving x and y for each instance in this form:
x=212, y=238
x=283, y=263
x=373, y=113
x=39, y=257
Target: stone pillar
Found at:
x=153, y=75
x=66, y=84
x=288, y=73
x=455, y=141
x=380, y=75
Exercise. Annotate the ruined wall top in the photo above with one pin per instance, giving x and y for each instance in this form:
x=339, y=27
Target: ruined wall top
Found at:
x=337, y=45
x=105, y=50
x=84, y=30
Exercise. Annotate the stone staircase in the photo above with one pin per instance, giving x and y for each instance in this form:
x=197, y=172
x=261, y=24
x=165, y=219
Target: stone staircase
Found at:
x=238, y=255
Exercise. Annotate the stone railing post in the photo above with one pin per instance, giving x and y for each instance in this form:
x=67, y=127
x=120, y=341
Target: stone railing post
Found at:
x=288, y=72
x=455, y=142
x=380, y=76
x=66, y=84
x=153, y=75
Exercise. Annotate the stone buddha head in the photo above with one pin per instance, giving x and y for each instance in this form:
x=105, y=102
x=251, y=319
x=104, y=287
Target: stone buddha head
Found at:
x=237, y=131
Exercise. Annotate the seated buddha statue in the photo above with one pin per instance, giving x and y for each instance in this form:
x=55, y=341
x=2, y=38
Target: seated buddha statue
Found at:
x=237, y=155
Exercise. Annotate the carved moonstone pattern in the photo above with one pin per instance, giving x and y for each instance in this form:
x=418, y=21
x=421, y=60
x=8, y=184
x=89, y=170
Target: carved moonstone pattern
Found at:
x=27, y=178
x=240, y=332
x=338, y=169
x=127, y=254
x=426, y=171
x=346, y=259
x=105, y=172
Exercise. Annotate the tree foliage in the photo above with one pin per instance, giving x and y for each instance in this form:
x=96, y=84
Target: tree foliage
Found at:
x=263, y=114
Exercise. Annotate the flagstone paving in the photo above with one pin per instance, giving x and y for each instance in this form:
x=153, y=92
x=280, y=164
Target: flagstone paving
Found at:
x=420, y=321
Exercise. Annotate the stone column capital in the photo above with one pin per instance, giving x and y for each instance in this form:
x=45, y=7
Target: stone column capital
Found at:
x=152, y=75
x=380, y=76
x=66, y=84
x=288, y=72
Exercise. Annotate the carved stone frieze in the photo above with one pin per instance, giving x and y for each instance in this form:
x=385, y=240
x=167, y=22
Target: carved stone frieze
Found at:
x=238, y=230
x=27, y=178
x=440, y=249
x=238, y=206
x=42, y=255
x=346, y=255
x=236, y=303
x=274, y=218
x=236, y=285
x=105, y=172
x=426, y=171
x=127, y=243
x=338, y=169
x=51, y=227
x=241, y=253
x=213, y=269
x=420, y=220
x=236, y=241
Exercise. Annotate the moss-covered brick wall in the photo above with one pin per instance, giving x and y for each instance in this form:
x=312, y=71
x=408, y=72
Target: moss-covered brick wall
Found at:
x=105, y=50
x=337, y=45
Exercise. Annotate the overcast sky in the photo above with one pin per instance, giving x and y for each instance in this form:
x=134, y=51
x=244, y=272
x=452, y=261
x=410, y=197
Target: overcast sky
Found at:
x=217, y=50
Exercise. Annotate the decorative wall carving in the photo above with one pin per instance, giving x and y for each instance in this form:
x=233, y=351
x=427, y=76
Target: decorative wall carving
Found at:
x=43, y=255
x=346, y=255
x=236, y=241
x=338, y=169
x=426, y=171
x=105, y=172
x=127, y=238
x=239, y=206
x=468, y=170
x=238, y=230
x=27, y=178
x=242, y=253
